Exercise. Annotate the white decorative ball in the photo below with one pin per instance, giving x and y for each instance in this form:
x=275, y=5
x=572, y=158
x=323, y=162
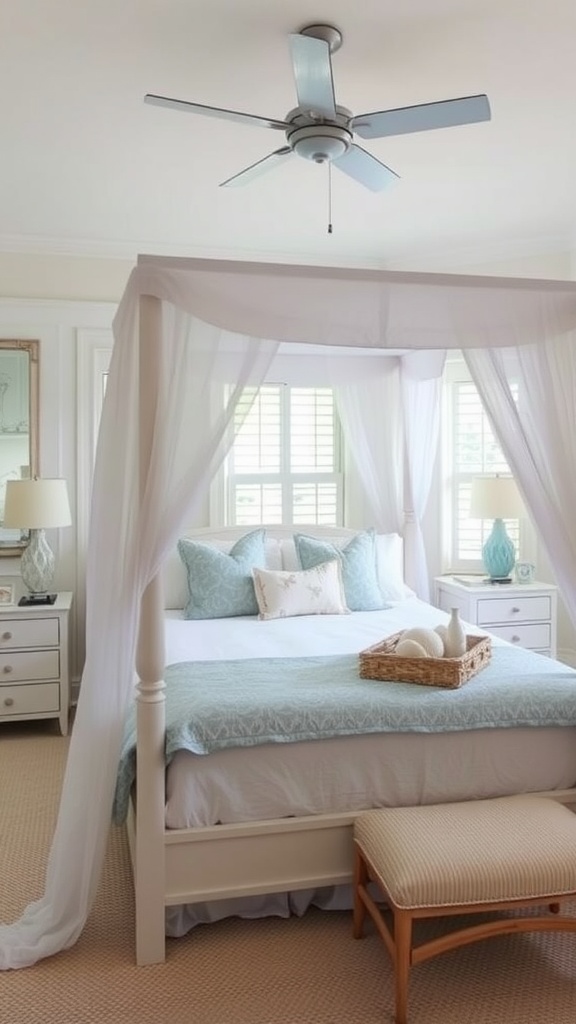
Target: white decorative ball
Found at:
x=442, y=633
x=427, y=638
x=410, y=649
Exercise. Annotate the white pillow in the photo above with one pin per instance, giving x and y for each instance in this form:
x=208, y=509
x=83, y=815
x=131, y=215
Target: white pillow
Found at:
x=290, y=560
x=389, y=562
x=174, y=575
x=288, y=554
x=317, y=591
x=390, y=567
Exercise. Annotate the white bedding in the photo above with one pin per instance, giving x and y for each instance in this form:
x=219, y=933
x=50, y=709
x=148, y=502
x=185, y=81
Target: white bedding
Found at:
x=242, y=637
x=346, y=773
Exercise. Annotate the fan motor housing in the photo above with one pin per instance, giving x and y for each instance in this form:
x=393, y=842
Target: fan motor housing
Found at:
x=320, y=142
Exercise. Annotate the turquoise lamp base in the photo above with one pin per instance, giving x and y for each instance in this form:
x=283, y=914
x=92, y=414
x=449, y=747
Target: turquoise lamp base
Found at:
x=499, y=553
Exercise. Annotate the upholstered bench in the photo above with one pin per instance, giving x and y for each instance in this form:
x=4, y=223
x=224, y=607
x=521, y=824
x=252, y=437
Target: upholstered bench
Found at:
x=505, y=854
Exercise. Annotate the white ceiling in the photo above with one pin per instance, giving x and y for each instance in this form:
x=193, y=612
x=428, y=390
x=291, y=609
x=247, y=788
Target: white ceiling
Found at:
x=86, y=167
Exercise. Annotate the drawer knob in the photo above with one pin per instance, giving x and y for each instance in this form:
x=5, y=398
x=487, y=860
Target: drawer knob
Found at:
x=7, y=635
x=7, y=670
x=8, y=702
x=515, y=639
x=515, y=610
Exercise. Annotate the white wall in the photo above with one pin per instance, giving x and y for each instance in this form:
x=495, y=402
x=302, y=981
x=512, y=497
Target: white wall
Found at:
x=27, y=276
x=63, y=329
x=67, y=303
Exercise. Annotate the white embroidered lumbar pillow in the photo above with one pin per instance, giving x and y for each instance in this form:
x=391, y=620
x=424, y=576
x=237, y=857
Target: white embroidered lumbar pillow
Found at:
x=316, y=591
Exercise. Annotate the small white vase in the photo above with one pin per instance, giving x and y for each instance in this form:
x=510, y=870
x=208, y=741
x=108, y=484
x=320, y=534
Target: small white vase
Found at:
x=455, y=642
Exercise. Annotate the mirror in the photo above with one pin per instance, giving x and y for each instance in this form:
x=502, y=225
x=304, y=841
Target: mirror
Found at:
x=18, y=426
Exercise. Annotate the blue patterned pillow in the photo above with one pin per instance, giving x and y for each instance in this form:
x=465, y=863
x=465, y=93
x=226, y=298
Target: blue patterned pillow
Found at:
x=358, y=560
x=221, y=585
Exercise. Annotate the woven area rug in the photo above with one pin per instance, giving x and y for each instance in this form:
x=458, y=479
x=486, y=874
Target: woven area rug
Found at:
x=296, y=971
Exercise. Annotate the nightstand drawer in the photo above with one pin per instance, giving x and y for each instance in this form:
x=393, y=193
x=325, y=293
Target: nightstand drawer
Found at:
x=513, y=609
x=17, y=666
x=534, y=635
x=29, y=700
x=29, y=633
x=522, y=614
x=34, y=661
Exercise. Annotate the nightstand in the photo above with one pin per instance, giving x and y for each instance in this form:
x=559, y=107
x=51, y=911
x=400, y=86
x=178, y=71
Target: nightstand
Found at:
x=524, y=613
x=34, y=662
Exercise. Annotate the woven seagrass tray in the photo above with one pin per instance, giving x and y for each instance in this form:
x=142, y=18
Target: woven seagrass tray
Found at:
x=380, y=662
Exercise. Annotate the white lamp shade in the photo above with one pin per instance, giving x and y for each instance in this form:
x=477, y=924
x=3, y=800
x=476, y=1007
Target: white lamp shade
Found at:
x=495, y=497
x=36, y=504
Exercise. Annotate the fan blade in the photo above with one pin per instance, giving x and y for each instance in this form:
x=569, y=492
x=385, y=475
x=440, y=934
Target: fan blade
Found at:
x=313, y=75
x=365, y=168
x=228, y=115
x=422, y=118
x=268, y=163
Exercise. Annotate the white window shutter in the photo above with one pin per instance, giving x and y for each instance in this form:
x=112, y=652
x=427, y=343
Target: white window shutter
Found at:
x=284, y=465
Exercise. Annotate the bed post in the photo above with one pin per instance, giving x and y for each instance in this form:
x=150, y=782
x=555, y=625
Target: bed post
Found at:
x=148, y=854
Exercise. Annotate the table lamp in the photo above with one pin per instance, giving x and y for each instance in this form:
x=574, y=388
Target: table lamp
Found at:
x=497, y=498
x=37, y=505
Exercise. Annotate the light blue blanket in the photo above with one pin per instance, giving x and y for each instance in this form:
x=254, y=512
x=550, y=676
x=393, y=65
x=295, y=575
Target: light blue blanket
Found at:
x=212, y=705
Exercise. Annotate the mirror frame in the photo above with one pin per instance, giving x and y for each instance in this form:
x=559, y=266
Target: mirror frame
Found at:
x=33, y=349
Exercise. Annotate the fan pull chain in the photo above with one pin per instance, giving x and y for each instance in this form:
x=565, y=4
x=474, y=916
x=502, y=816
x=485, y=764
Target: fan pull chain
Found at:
x=329, y=198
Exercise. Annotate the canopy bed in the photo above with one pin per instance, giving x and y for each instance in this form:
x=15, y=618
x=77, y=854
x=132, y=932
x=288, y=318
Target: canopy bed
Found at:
x=182, y=327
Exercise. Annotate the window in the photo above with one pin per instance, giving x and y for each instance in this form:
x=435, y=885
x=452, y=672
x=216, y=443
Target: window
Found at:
x=285, y=463
x=470, y=450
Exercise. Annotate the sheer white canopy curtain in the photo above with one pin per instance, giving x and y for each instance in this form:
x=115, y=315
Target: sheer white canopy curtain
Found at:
x=135, y=519
x=181, y=325
x=421, y=405
x=369, y=407
x=390, y=412
x=538, y=436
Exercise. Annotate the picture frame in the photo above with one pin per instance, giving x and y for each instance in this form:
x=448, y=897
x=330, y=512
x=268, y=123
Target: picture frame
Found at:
x=525, y=572
x=6, y=593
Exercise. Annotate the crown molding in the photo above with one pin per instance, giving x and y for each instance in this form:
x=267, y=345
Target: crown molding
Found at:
x=438, y=257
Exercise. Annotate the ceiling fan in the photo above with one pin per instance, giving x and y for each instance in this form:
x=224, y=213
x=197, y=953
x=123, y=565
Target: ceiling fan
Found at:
x=320, y=130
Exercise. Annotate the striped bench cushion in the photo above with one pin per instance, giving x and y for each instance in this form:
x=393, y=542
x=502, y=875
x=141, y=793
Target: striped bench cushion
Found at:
x=484, y=851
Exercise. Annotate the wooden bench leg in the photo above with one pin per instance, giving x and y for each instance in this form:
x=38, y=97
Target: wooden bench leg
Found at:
x=360, y=881
x=402, y=961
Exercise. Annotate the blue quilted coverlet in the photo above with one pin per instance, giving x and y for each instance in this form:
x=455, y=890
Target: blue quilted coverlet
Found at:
x=211, y=705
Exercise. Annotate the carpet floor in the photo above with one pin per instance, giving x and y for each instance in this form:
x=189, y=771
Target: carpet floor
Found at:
x=305, y=970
